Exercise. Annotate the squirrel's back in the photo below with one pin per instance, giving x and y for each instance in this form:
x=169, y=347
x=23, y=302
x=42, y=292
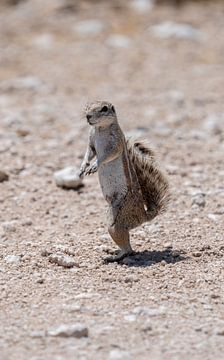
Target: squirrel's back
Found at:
x=154, y=185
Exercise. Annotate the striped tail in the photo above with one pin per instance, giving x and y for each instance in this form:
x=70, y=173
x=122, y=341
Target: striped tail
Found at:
x=154, y=185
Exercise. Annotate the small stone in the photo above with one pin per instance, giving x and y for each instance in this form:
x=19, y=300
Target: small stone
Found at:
x=169, y=29
x=62, y=260
x=46, y=252
x=13, y=259
x=197, y=254
x=220, y=332
x=168, y=245
x=74, y=308
x=213, y=124
x=89, y=27
x=161, y=129
x=172, y=169
x=40, y=280
x=104, y=238
x=142, y=5
x=27, y=222
x=68, y=178
x=177, y=98
x=76, y=330
x=215, y=296
x=44, y=41
x=3, y=176
x=175, y=253
x=21, y=83
x=119, y=41
x=105, y=248
x=85, y=296
x=214, y=217
x=13, y=119
x=38, y=334
x=130, y=318
x=131, y=278
x=177, y=118
x=199, y=200
x=136, y=133
x=148, y=311
x=119, y=355
x=10, y=225
x=22, y=132
x=146, y=328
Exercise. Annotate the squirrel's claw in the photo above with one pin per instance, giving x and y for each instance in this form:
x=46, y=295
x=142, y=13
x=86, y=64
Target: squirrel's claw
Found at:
x=81, y=173
x=91, y=169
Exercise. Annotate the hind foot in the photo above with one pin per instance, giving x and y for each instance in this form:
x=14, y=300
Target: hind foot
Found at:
x=117, y=258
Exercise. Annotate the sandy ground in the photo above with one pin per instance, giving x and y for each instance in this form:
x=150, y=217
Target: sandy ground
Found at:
x=167, y=301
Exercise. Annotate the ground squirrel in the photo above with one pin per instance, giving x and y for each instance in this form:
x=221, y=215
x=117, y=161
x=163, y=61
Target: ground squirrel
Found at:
x=131, y=182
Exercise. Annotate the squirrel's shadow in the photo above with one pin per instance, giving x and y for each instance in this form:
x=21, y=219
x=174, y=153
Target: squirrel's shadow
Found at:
x=149, y=258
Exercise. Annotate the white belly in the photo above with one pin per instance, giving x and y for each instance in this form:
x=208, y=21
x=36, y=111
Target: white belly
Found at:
x=113, y=180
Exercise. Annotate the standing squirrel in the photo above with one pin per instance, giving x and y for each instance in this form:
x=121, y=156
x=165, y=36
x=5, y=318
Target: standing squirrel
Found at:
x=131, y=182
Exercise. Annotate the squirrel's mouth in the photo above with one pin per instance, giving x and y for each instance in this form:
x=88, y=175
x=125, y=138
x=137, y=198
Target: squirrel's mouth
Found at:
x=90, y=120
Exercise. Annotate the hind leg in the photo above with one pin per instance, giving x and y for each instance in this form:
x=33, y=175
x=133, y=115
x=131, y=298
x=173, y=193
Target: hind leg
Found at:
x=122, y=239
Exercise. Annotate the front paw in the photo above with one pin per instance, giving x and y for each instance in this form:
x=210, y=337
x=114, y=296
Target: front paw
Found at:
x=81, y=173
x=91, y=169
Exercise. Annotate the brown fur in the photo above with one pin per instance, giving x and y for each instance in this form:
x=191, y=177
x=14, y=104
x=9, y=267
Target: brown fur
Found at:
x=154, y=185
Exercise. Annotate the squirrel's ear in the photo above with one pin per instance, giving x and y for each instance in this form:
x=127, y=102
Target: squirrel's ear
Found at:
x=112, y=108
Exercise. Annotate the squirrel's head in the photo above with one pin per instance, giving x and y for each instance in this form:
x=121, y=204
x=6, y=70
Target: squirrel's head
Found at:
x=100, y=113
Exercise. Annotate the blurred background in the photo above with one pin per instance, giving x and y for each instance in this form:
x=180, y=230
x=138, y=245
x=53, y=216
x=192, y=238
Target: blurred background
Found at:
x=161, y=63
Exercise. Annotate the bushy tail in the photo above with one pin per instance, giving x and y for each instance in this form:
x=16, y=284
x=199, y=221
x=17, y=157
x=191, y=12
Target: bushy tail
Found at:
x=154, y=185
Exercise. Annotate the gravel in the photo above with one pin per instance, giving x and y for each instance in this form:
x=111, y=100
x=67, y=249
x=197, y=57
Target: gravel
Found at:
x=199, y=200
x=89, y=27
x=3, y=176
x=170, y=29
x=75, y=330
x=166, y=300
x=62, y=260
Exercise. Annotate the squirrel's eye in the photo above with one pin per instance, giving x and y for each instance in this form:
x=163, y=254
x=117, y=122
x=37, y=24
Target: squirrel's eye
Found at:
x=104, y=109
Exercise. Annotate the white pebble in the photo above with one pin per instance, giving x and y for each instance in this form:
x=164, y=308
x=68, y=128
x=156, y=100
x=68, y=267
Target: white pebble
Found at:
x=142, y=5
x=62, y=260
x=119, y=41
x=68, y=178
x=13, y=259
x=119, y=355
x=213, y=124
x=214, y=217
x=148, y=311
x=10, y=225
x=199, y=200
x=89, y=27
x=44, y=41
x=21, y=83
x=75, y=330
x=130, y=318
x=169, y=29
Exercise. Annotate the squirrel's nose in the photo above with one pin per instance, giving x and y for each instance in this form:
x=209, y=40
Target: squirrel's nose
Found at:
x=88, y=117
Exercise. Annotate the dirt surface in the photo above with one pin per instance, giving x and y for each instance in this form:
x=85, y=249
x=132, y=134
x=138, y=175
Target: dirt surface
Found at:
x=167, y=301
